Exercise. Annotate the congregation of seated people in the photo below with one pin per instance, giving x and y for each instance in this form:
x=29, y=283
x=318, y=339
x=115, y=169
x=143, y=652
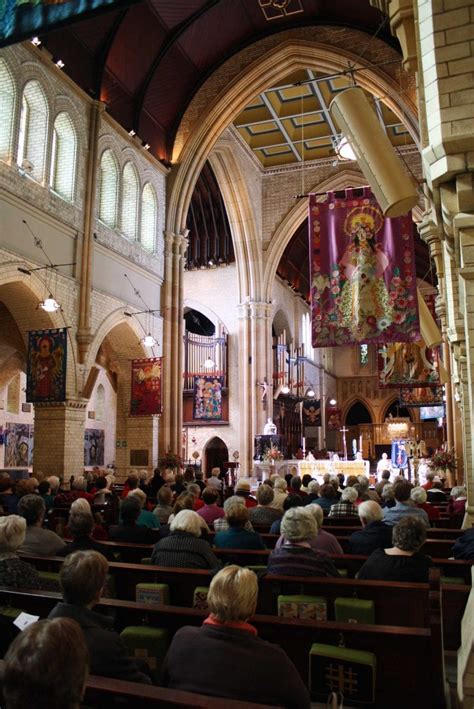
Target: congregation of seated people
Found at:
x=190, y=522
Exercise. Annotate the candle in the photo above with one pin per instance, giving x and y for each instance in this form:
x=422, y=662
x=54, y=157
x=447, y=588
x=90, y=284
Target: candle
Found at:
x=360, y=442
x=304, y=444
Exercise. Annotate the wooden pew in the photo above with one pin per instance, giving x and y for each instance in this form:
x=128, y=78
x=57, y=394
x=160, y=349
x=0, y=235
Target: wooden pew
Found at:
x=391, y=609
x=410, y=687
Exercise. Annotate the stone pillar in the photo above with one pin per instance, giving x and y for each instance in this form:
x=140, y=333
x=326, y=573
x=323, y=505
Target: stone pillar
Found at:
x=171, y=420
x=255, y=363
x=59, y=438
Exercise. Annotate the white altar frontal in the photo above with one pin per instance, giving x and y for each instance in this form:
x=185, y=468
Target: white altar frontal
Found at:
x=315, y=468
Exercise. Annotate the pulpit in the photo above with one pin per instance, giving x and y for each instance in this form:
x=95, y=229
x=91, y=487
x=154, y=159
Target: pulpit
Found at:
x=263, y=443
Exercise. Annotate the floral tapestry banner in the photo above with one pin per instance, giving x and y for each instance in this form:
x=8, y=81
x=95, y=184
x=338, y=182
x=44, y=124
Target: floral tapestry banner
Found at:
x=46, y=365
x=408, y=364
x=363, y=281
x=207, y=398
x=146, y=387
x=333, y=418
x=421, y=396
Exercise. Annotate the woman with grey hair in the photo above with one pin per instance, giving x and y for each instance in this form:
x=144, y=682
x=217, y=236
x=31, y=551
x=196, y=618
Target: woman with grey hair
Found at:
x=457, y=500
x=222, y=525
x=388, y=496
x=296, y=557
x=402, y=561
x=346, y=506
x=183, y=547
x=13, y=571
x=419, y=496
x=280, y=492
x=324, y=541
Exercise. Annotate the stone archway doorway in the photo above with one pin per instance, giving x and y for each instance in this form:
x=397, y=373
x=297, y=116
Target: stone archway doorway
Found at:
x=216, y=455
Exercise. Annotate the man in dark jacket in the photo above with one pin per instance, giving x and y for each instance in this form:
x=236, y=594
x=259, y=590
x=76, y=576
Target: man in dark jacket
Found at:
x=464, y=546
x=82, y=578
x=374, y=534
x=128, y=530
x=80, y=526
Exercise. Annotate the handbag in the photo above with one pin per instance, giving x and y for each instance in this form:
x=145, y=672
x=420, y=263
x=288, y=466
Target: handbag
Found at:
x=335, y=700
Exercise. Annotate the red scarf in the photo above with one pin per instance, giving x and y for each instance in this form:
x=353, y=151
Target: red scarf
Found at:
x=234, y=624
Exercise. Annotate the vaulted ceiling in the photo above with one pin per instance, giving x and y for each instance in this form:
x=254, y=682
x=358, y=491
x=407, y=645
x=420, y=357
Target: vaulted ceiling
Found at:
x=147, y=61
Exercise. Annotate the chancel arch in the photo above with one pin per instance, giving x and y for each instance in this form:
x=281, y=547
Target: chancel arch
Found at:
x=216, y=454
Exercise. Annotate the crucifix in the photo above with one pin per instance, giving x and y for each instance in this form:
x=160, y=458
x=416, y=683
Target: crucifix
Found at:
x=344, y=430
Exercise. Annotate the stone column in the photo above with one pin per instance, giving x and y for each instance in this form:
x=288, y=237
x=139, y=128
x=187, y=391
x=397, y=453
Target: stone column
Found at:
x=171, y=420
x=255, y=363
x=59, y=438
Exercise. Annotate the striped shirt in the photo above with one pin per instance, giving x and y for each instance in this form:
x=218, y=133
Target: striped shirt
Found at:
x=293, y=560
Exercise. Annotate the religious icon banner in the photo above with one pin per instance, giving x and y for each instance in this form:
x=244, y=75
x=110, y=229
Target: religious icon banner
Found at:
x=207, y=398
x=311, y=413
x=333, y=418
x=421, y=396
x=46, y=365
x=363, y=280
x=94, y=444
x=19, y=440
x=408, y=365
x=145, y=399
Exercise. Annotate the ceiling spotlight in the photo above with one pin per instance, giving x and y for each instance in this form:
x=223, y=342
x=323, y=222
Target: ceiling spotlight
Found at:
x=344, y=150
x=310, y=393
x=49, y=304
x=332, y=402
x=146, y=146
x=209, y=363
x=36, y=41
x=149, y=341
x=59, y=63
x=131, y=132
x=285, y=389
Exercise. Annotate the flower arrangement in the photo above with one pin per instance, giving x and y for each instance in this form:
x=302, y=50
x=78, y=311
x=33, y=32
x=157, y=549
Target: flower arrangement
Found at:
x=444, y=460
x=170, y=460
x=272, y=454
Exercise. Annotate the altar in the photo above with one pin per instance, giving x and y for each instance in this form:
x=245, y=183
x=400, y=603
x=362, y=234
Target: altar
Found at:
x=315, y=468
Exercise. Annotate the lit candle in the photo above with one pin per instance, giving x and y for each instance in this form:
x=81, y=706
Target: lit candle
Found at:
x=360, y=442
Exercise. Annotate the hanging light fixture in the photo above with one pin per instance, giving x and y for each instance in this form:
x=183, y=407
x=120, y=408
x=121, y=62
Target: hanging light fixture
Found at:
x=332, y=402
x=49, y=304
x=310, y=393
x=149, y=340
x=209, y=363
x=285, y=389
x=344, y=150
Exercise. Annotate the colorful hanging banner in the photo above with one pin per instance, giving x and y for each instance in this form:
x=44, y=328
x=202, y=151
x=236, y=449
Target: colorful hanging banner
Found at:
x=311, y=413
x=19, y=440
x=46, y=365
x=408, y=365
x=421, y=396
x=94, y=443
x=333, y=418
x=207, y=398
x=146, y=387
x=363, y=280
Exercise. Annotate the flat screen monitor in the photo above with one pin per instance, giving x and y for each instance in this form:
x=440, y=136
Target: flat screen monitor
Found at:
x=431, y=412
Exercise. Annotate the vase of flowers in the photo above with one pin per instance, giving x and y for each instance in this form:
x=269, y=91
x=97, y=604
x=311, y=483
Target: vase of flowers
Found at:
x=272, y=454
x=171, y=461
x=445, y=463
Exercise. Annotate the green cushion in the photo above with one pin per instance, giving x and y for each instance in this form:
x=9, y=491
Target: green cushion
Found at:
x=354, y=610
x=51, y=579
x=256, y=568
x=340, y=669
x=152, y=593
x=343, y=572
x=146, y=560
x=10, y=612
x=200, y=597
x=308, y=607
x=452, y=579
x=147, y=644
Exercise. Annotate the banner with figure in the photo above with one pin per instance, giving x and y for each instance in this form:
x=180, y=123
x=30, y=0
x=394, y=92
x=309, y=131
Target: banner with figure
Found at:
x=207, y=398
x=363, y=279
x=408, y=364
x=19, y=439
x=46, y=365
x=145, y=398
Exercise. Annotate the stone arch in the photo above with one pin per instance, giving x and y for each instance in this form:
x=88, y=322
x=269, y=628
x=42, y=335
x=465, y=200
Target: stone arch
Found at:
x=404, y=411
x=190, y=304
x=287, y=57
x=363, y=402
x=281, y=324
x=238, y=206
x=215, y=454
x=113, y=320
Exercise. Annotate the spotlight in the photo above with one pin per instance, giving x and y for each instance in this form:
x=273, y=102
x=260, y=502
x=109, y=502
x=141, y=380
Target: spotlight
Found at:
x=332, y=402
x=59, y=63
x=209, y=363
x=36, y=41
x=310, y=393
x=131, y=133
x=146, y=146
x=285, y=389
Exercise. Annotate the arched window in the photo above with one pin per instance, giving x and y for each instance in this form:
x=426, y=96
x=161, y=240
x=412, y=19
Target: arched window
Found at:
x=33, y=136
x=7, y=109
x=108, y=189
x=63, y=157
x=129, y=212
x=148, y=221
x=100, y=403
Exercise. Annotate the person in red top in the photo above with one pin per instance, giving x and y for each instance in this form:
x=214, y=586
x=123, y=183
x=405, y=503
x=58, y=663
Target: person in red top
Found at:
x=131, y=483
x=457, y=500
x=78, y=489
x=242, y=489
x=418, y=496
x=429, y=481
x=210, y=511
x=195, y=491
x=295, y=486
